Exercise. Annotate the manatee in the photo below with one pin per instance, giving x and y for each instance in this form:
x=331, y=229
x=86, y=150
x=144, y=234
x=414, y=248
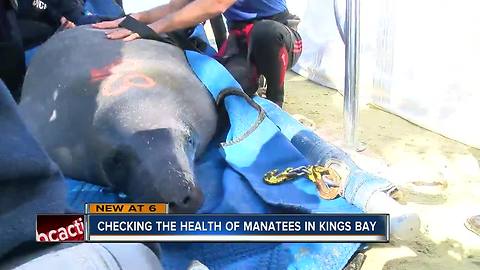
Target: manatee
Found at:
x=127, y=115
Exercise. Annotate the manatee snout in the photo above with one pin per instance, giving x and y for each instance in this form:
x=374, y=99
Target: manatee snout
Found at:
x=157, y=166
x=171, y=182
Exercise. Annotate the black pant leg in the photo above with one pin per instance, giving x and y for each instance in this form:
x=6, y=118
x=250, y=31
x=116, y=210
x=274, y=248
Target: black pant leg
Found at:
x=273, y=48
x=219, y=30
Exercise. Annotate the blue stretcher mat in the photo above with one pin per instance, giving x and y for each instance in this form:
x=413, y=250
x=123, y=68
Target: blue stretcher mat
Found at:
x=261, y=137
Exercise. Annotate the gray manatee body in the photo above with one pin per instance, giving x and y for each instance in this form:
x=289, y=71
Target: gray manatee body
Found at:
x=130, y=115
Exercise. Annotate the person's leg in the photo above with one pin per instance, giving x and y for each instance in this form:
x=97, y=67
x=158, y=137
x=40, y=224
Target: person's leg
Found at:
x=233, y=55
x=273, y=49
x=219, y=30
x=108, y=256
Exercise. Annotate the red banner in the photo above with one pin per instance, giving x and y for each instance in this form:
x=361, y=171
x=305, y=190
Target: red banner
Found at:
x=60, y=228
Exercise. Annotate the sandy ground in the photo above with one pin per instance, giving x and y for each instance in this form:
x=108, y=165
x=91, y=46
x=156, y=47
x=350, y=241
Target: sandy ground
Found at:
x=439, y=177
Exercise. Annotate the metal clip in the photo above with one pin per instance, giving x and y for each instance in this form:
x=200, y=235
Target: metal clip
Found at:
x=328, y=182
x=342, y=170
x=274, y=178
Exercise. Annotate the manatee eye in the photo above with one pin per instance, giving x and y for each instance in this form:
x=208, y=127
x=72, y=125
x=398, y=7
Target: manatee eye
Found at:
x=117, y=167
x=190, y=140
x=189, y=136
x=117, y=159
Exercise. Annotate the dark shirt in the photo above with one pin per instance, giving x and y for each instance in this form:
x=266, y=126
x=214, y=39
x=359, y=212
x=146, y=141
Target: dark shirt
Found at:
x=5, y=7
x=50, y=11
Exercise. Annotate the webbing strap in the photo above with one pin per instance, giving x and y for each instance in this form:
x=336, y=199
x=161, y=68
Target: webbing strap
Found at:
x=176, y=38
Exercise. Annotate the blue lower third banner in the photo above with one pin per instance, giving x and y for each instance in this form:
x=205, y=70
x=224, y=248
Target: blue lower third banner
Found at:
x=238, y=228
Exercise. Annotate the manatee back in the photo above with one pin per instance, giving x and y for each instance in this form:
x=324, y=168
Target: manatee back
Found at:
x=81, y=86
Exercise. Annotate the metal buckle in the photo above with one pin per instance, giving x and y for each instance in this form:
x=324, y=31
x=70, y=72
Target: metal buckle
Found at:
x=342, y=169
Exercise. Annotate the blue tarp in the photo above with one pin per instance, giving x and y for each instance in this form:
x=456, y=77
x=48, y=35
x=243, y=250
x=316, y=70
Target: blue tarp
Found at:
x=231, y=173
x=103, y=8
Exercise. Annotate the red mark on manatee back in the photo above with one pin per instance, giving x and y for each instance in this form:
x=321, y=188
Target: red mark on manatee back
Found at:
x=102, y=73
x=118, y=83
x=133, y=80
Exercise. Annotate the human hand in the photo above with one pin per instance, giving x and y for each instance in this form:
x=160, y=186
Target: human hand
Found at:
x=108, y=24
x=66, y=24
x=117, y=32
x=122, y=33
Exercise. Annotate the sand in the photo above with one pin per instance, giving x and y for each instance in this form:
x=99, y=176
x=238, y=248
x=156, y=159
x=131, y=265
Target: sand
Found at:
x=439, y=177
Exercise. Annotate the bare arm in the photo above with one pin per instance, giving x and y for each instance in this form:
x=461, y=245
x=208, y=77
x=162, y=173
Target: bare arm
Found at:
x=191, y=14
x=156, y=13
x=148, y=16
x=178, y=14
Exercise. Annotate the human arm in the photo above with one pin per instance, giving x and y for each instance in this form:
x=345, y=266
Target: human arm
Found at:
x=156, y=13
x=147, y=16
x=191, y=14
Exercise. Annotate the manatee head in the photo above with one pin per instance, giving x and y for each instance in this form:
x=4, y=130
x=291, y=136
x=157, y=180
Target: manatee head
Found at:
x=152, y=145
x=156, y=166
